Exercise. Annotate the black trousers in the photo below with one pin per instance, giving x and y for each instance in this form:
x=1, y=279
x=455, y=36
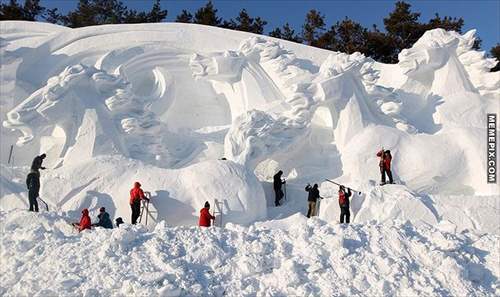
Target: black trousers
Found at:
x=278, y=194
x=345, y=213
x=136, y=210
x=32, y=195
x=383, y=172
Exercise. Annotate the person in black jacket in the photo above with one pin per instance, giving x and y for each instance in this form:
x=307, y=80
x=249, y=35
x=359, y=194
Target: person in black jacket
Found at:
x=344, y=204
x=33, y=184
x=277, y=182
x=312, y=198
x=104, y=220
x=37, y=162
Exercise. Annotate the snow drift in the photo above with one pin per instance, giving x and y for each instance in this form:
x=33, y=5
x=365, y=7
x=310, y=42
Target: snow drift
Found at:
x=292, y=257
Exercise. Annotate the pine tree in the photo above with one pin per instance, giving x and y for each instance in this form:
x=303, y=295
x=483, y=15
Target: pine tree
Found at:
x=11, y=11
x=276, y=33
x=350, y=36
x=313, y=27
x=156, y=15
x=244, y=22
x=207, y=15
x=477, y=43
x=403, y=24
x=98, y=12
x=14, y=11
x=53, y=16
x=286, y=33
x=381, y=47
x=447, y=23
x=495, y=53
x=328, y=40
x=32, y=9
x=184, y=17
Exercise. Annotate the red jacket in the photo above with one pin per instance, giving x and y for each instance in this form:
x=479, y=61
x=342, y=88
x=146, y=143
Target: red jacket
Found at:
x=136, y=193
x=385, y=160
x=205, y=217
x=84, y=221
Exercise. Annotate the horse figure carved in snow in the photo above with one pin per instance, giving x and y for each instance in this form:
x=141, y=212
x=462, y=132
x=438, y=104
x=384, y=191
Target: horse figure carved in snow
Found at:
x=290, y=95
x=82, y=102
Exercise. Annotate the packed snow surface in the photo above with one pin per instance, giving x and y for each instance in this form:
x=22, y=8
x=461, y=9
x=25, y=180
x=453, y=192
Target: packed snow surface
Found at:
x=42, y=256
x=197, y=114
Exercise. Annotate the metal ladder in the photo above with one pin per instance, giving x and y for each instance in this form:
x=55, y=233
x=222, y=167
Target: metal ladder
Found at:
x=145, y=208
x=218, y=213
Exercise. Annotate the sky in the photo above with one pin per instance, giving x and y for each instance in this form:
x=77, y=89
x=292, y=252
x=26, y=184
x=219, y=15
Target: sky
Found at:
x=483, y=15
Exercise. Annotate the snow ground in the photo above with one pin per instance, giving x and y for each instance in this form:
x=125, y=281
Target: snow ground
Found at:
x=290, y=257
x=163, y=103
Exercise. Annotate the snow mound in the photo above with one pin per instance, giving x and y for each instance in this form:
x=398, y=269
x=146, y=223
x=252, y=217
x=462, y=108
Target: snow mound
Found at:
x=42, y=257
x=177, y=195
x=159, y=103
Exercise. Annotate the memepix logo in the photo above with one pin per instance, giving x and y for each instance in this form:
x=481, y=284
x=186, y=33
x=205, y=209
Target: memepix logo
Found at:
x=492, y=148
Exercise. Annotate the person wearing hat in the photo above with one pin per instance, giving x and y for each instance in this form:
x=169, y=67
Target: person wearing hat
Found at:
x=312, y=199
x=37, y=162
x=278, y=193
x=136, y=195
x=104, y=220
x=85, y=222
x=205, y=216
x=344, y=204
x=119, y=221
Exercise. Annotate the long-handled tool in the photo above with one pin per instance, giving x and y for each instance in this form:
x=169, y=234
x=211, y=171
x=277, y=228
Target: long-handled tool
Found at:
x=46, y=205
x=147, y=206
x=284, y=183
x=331, y=181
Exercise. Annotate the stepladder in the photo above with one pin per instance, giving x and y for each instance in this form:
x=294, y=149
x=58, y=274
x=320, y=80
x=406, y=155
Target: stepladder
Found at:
x=218, y=213
x=145, y=211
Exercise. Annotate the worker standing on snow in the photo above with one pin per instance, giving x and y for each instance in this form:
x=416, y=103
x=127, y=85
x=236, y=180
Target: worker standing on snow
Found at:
x=277, y=182
x=385, y=166
x=344, y=204
x=37, y=162
x=136, y=195
x=85, y=222
x=312, y=198
x=205, y=216
x=33, y=184
x=104, y=220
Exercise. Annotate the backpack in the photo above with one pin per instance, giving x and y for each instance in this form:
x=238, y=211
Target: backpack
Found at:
x=342, y=199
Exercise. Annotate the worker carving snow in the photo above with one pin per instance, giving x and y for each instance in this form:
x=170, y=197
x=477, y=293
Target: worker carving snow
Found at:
x=205, y=216
x=33, y=184
x=344, y=204
x=385, y=166
x=277, y=182
x=136, y=195
x=312, y=198
x=37, y=162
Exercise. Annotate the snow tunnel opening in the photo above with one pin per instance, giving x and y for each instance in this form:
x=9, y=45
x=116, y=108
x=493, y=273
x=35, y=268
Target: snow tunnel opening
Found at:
x=322, y=126
x=53, y=145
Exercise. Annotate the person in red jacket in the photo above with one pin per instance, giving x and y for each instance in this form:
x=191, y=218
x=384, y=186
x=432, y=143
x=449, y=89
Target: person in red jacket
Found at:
x=205, y=216
x=136, y=195
x=85, y=222
x=385, y=165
